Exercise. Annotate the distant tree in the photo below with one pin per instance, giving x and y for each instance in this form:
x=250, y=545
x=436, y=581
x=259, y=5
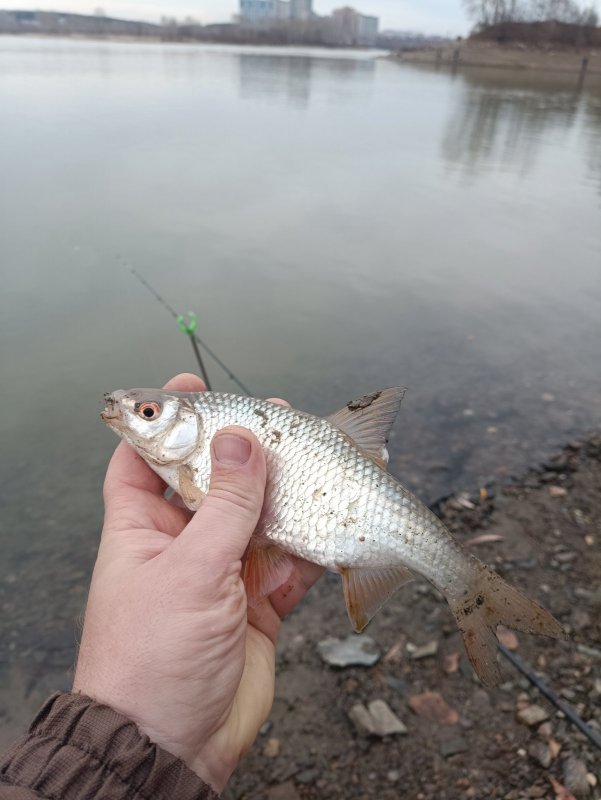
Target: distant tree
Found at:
x=493, y=12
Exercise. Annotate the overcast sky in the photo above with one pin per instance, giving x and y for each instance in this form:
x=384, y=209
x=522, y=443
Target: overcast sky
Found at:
x=430, y=16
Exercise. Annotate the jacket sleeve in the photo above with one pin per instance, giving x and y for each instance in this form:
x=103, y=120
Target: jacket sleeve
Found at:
x=77, y=749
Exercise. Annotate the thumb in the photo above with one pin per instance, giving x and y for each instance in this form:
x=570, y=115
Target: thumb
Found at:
x=221, y=528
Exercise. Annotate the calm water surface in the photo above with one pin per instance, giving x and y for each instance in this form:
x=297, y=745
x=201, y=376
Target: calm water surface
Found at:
x=339, y=223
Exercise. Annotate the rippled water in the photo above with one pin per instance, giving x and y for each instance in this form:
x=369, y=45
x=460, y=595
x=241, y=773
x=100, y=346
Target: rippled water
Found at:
x=339, y=222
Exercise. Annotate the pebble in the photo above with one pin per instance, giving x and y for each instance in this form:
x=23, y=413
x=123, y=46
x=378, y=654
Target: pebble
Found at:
x=580, y=619
x=355, y=650
x=423, y=651
x=507, y=638
x=592, y=779
x=272, y=748
x=452, y=744
x=307, y=776
x=557, y=491
x=545, y=730
x=377, y=719
x=575, y=776
x=532, y=715
x=433, y=706
x=451, y=662
x=566, y=557
x=539, y=752
x=393, y=775
x=284, y=791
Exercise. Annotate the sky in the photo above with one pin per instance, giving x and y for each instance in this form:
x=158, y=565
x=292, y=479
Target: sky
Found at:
x=444, y=17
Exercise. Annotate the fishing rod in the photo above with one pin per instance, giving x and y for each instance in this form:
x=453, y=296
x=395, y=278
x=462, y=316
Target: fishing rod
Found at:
x=550, y=695
x=189, y=328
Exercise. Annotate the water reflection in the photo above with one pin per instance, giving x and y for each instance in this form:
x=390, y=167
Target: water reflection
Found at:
x=292, y=76
x=501, y=120
x=592, y=133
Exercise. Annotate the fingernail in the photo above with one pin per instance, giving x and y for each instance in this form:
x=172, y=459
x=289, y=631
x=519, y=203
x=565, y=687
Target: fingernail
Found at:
x=231, y=450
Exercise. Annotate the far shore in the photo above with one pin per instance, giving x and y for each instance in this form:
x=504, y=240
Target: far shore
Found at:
x=471, y=53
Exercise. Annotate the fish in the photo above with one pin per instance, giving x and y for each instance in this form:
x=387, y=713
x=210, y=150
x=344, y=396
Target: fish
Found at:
x=329, y=499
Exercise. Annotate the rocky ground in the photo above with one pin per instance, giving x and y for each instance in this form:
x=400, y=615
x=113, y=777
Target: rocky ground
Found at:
x=416, y=724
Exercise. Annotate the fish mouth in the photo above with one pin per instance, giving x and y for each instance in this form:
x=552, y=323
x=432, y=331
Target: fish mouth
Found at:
x=111, y=412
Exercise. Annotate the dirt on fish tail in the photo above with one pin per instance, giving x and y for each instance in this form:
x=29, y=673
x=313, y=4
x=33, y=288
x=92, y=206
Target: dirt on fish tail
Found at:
x=494, y=602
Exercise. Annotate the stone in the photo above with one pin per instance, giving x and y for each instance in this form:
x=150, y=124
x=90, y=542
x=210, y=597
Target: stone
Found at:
x=433, y=706
x=307, y=776
x=423, y=651
x=557, y=491
x=360, y=651
x=376, y=720
x=386, y=721
x=575, y=776
x=451, y=663
x=545, y=730
x=539, y=752
x=284, y=791
x=272, y=748
x=507, y=638
x=452, y=744
x=393, y=775
x=532, y=715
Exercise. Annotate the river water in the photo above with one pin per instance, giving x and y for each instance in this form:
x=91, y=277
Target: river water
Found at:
x=338, y=222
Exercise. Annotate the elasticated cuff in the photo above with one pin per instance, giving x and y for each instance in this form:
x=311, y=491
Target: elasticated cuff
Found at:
x=76, y=749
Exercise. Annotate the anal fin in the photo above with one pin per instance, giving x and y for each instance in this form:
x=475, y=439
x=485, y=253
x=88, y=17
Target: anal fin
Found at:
x=366, y=589
x=265, y=568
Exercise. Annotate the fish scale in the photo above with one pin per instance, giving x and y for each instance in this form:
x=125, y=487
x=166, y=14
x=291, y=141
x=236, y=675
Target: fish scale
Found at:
x=329, y=500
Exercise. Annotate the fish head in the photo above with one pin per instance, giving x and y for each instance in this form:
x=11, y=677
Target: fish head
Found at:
x=161, y=426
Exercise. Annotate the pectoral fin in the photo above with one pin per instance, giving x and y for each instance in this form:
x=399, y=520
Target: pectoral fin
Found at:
x=367, y=589
x=189, y=492
x=368, y=421
x=265, y=568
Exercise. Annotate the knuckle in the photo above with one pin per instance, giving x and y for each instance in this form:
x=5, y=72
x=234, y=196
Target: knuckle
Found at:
x=235, y=497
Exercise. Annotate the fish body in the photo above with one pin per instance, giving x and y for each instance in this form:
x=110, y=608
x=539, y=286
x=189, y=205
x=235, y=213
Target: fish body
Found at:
x=329, y=500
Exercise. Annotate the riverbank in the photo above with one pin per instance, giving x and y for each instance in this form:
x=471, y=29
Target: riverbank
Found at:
x=543, y=533
x=474, y=53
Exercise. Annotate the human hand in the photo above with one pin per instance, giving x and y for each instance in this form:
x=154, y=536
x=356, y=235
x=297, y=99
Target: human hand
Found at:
x=168, y=640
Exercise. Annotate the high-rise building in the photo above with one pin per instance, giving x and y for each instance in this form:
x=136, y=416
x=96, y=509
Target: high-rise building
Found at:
x=301, y=9
x=367, y=30
x=353, y=28
x=257, y=10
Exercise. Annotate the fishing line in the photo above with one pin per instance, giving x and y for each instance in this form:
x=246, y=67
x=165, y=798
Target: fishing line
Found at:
x=550, y=695
x=190, y=329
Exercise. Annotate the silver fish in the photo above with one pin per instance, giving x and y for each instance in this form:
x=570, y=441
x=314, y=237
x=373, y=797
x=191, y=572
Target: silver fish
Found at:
x=329, y=500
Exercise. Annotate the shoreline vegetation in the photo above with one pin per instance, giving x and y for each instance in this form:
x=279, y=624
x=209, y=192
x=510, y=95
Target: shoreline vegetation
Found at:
x=548, y=46
x=580, y=61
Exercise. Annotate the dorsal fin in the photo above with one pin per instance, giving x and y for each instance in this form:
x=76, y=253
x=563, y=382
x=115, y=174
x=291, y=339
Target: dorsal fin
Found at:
x=368, y=421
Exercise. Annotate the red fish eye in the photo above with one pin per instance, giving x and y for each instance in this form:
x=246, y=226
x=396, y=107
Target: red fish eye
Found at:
x=149, y=410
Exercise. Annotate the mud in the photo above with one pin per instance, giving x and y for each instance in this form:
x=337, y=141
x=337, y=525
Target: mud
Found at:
x=542, y=533
x=544, y=536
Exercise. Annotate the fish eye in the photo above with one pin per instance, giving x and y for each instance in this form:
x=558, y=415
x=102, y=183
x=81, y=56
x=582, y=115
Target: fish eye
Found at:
x=150, y=410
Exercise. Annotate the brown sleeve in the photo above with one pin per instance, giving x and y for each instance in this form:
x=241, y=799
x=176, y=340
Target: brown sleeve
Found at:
x=78, y=749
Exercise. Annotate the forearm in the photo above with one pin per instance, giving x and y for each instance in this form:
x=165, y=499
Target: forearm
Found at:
x=76, y=749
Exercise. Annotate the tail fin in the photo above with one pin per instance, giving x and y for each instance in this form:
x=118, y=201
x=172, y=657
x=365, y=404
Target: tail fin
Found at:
x=493, y=602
